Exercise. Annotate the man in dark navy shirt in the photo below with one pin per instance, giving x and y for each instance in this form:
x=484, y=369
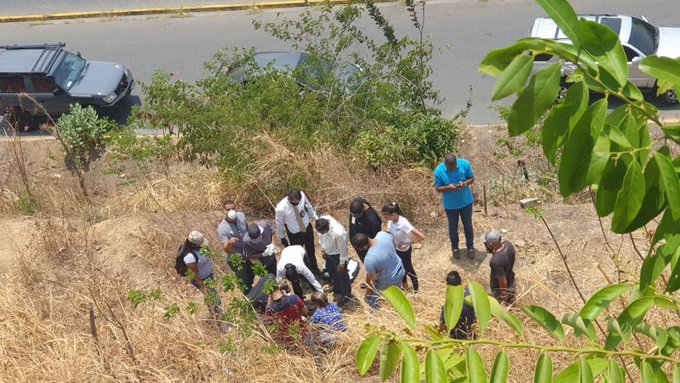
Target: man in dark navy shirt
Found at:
x=463, y=329
x=363, y=219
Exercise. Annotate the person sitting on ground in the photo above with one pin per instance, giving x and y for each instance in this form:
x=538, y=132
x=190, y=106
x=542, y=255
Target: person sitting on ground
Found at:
x=383, y=266
x=327, y=319
x=292, y=266
x=334, y=249
x=363, y=219
x=502, y=263
x=463, y=329
x=200, y=268
x=403, y=232
x=285, y=313
x=259, y=295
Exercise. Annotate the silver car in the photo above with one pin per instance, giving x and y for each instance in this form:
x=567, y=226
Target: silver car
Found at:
x=638, y=37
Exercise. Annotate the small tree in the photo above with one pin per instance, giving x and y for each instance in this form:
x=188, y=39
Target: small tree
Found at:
x=81, y=133
x=634, y=179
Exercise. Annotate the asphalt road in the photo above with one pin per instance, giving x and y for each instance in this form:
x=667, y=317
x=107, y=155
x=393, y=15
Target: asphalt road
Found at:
x=469, y=28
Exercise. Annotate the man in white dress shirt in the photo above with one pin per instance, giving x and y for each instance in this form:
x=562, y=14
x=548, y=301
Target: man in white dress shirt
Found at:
x=291, y=266
x=334, y=244
x=294, y=216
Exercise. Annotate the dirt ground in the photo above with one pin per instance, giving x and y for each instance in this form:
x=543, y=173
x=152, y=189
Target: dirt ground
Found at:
x=139, y=246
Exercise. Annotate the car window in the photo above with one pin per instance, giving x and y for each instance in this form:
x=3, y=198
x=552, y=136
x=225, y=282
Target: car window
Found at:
x=614, y=23
x=69, y=70
x=42, y=85
x=644, y=36
x=12, y=85
x=630, y=53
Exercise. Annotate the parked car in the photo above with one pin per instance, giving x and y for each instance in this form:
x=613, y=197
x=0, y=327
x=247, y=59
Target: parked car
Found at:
x=309, y=72
x=46, y=79
x=638, y=37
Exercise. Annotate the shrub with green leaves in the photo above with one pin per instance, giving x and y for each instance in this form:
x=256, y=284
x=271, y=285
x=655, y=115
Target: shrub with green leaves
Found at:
x=82, y=131
x=635, y=180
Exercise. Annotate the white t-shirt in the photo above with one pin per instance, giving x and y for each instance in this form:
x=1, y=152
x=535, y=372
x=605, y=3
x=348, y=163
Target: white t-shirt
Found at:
x=401, y=231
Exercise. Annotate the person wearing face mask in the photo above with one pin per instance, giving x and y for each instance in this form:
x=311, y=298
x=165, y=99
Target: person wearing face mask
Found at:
x=294, y=215
x=502, y=263
x=231, y=231
x=363, y=219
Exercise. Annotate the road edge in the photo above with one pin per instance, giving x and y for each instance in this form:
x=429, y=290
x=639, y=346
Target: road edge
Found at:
x=173, y=10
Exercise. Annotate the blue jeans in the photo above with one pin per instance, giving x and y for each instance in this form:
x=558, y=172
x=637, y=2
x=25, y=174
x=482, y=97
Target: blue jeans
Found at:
x=380, y=285
x=465, y=215
x=213, y=301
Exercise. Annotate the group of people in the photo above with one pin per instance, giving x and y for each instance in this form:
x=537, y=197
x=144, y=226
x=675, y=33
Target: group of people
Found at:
x=385, y=251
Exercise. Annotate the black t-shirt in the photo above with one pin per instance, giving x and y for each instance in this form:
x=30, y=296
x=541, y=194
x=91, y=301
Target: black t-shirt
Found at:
x=369, y=223
x=463, y=329
x=502, y=264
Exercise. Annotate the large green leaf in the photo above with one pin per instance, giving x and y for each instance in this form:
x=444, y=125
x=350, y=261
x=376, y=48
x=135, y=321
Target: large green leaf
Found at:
x=475, y=366
x=669, y=183
x=544, y=369
x=672, y=132
x=534, y=100
x=605, y=46
x=676, y=373
x=651, y=269
x=614, y=373
x=434, y=368
x=366, y=353
x=562, y=119
x=674, y=279
x=571, y=374
x=647, y=373
x=564, y=16
x=480, y=302
x=513, y=78
x=629, y=199
x=663, y=68
x=455, y=298
x=501, y=366
x=585, y=373
x=546, y=319
x=395, y=296
x=601, y=300
x=657, y=334
x=629, y=318
x=410, y=366
x=498, y=311
x=654, y=201
x=667, y=227
x=581, y=326
x=578, y=149
x=389, y=359
x=498, y=60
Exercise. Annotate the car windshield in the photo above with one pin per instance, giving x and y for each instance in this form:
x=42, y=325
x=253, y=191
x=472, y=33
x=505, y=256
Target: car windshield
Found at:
x=644, y=36
x=68, y=70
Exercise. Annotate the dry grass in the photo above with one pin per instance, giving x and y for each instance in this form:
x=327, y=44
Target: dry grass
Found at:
x=79, y=255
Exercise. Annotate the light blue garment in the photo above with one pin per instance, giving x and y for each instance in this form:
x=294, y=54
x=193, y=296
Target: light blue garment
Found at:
x=382, y=260
x=442, y=177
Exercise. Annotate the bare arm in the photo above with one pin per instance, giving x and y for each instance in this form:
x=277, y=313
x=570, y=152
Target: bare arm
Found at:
x=502, y=287
x=370, y=290
x=467, y=182
x=418, y=236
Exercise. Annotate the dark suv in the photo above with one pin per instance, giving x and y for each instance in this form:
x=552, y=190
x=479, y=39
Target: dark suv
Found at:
x=40, y=79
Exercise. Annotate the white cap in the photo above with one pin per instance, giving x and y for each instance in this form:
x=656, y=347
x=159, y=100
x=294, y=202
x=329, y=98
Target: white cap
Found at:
x=492, y=236
x=197, y=238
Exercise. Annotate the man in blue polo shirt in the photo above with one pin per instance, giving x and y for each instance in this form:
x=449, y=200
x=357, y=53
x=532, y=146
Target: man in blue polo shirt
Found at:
x=453, y=178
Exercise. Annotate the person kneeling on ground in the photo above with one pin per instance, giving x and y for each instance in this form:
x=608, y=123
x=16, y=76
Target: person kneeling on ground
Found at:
x=334, y=245
x=462, y=329
x=327, y=319
x=285, y=313
x=502, y=264
x=190, y=261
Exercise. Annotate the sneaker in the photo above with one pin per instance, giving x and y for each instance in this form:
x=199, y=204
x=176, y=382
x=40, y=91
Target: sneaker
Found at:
x=471, y=253
x=456, y=253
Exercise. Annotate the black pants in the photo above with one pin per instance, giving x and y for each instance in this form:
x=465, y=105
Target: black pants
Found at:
x=340, y=281
x=408, y=266
x=246, y=274
x=297, y=287
x=306, y=240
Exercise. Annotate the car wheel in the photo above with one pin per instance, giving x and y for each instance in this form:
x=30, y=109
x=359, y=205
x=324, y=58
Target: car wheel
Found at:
x=669, y=97
x=27, y=122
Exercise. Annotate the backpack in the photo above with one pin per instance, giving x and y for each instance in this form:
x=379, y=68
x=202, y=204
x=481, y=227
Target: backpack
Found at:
x=180, y=266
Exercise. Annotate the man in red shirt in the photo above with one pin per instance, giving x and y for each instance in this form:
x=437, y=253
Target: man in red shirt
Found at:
x=286, y=311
